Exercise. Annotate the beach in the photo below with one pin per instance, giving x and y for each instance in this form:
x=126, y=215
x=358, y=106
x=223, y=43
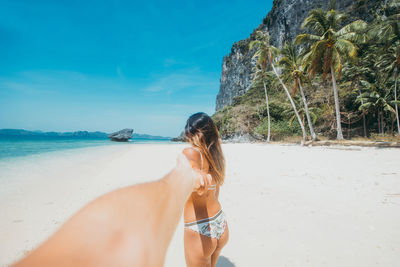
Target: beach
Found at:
x=286, y=205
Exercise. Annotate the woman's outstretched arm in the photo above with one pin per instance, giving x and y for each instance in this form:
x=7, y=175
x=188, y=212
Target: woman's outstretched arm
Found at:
x=132, y=226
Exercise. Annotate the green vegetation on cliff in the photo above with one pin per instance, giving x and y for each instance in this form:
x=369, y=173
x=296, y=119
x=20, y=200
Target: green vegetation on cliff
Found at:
x=359, y=62
x=248, y=115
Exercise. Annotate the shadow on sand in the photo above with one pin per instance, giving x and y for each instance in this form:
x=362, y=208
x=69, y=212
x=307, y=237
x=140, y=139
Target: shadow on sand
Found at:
x=224, y=262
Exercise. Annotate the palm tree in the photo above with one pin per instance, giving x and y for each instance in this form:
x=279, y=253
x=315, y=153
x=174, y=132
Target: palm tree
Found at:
x=387, y=32
x=396, y=66
x=389, y=22
x=355, y=73
x=303, y=114
x=265, y=58
x=377, y=99
x=328, y=46
x=390, y=61
x=291, y=64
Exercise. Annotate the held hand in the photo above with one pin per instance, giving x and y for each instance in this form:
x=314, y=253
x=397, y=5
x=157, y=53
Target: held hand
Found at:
x=201, y=181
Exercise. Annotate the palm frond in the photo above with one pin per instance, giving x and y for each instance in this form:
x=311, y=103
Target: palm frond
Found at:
x=316, y=21
x=346, y=47
x=254, y=44
x=353, y=27
x=306, y=38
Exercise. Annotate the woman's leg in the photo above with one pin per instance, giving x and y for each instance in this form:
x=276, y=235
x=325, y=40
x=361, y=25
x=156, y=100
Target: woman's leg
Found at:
x=220, y=244
x=198, y=249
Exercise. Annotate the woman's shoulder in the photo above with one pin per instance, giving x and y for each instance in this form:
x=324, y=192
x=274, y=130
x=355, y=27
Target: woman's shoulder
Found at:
x=191, y=152
x=192, y=155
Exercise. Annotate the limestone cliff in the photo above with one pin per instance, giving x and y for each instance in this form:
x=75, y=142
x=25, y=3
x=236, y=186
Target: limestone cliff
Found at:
x=283, y=23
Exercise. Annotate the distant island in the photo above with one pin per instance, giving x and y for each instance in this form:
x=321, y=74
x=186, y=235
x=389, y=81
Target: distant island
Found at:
x=78, y=134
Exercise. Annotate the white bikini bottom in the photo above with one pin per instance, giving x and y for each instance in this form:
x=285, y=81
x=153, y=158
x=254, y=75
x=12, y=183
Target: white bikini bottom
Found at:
x=212, y=227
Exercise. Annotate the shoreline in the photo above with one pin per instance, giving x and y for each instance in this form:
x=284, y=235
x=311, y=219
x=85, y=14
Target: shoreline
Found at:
x=286, y=204
x=321, y=143
x=22, y=147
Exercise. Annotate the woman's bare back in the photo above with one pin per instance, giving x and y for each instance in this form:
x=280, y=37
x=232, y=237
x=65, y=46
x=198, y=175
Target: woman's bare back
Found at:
x=200, y=206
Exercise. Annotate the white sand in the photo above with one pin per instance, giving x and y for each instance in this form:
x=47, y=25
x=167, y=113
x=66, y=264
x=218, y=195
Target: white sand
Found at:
x=286, y=205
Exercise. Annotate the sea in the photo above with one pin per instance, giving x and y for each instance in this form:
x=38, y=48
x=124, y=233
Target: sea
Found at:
x=20, y=146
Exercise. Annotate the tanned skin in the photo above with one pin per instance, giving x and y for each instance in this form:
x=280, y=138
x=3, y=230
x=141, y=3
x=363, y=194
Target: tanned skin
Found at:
x=201, y=250
x=132, y=226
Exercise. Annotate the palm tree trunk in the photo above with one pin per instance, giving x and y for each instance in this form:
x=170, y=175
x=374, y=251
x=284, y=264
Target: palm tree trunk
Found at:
x=268, y=117
x=349, y=129
x=363, y=114
x=365, y=124
x=393, y=126
x=313, y=135
x=379, y=122
x=395, y=99
x=337, y=107
x=293, y=105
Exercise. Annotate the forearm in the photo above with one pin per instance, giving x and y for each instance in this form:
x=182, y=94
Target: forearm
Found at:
x=175, y=190
x=130, y=226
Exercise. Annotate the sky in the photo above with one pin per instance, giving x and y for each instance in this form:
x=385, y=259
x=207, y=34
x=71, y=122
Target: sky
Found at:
x=71, y=65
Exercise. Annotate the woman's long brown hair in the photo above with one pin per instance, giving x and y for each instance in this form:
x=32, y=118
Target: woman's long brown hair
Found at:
x=202, y=133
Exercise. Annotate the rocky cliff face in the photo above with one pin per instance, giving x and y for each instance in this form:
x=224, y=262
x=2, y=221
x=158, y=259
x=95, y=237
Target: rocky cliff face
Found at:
x=283, y=24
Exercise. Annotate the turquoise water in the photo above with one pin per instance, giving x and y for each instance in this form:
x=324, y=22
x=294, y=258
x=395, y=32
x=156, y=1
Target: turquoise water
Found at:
x=21, y=146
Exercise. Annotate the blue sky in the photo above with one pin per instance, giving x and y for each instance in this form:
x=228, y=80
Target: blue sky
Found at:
x=105, y=65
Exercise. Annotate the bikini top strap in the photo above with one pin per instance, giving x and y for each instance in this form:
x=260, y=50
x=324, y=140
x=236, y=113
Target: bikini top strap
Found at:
x=201, y=156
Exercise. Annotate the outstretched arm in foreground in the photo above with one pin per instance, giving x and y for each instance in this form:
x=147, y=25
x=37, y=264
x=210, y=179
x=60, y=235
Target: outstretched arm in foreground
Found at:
x=132, y=226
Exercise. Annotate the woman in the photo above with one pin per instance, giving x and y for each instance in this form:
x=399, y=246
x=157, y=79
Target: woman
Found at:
x=206, y=230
